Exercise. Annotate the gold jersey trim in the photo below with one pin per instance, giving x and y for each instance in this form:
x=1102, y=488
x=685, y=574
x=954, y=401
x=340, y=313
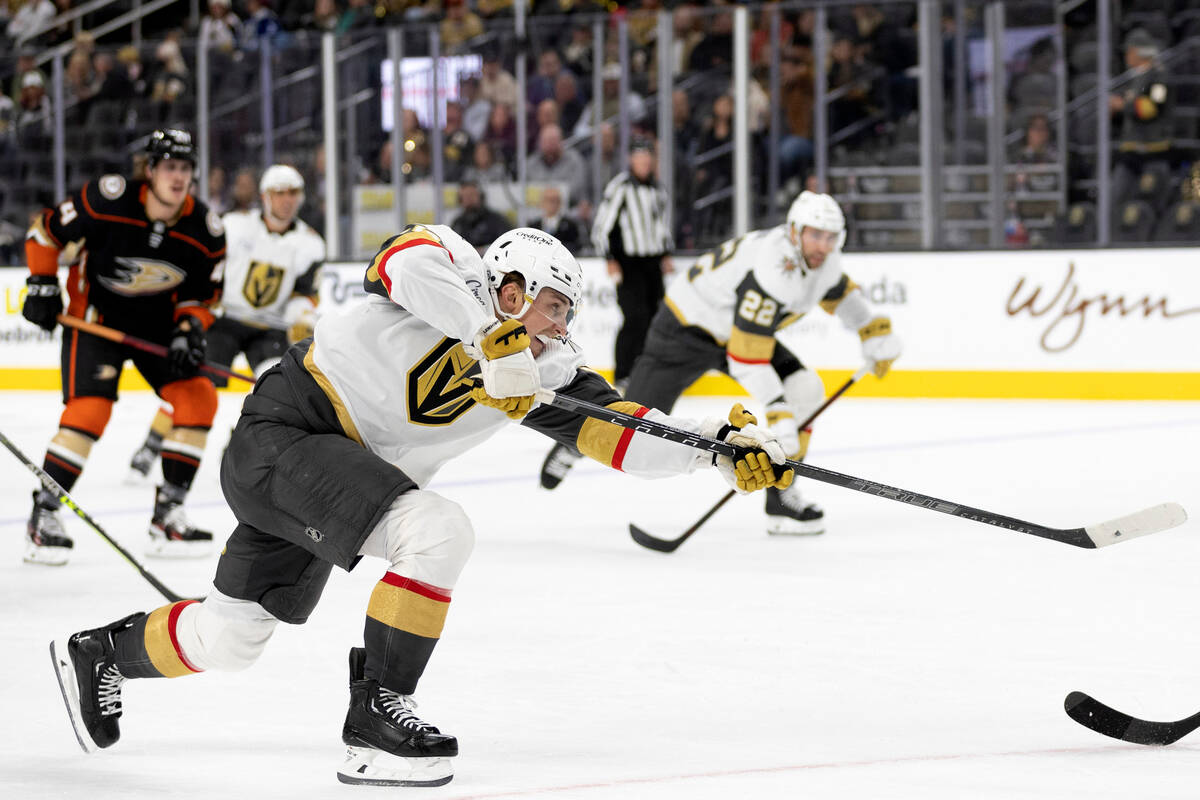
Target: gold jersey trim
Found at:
x=339, y=408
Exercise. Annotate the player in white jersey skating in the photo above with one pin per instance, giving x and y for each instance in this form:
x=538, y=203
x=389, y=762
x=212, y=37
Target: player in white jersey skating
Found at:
x=724, y=314
x=271, y=278
x=329, y=461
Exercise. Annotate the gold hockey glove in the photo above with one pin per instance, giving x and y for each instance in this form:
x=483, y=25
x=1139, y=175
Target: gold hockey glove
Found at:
x=755, y=468
x=879, y=345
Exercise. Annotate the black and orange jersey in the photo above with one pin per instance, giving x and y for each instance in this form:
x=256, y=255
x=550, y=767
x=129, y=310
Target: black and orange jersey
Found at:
x=128, y=271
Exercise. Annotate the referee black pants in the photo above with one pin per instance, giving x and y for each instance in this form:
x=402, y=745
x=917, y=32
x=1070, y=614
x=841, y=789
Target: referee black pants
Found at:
x=638, y=295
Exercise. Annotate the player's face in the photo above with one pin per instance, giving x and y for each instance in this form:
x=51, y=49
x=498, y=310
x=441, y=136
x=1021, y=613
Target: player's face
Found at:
x=548, y=315
x=170, y=181
x=283, y=203
x=816, y=245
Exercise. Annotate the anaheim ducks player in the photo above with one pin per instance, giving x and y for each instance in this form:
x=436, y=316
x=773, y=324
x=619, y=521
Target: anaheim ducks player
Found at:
x=147, y=259
x=328, y=463
x=725, y=313
x=272, y=275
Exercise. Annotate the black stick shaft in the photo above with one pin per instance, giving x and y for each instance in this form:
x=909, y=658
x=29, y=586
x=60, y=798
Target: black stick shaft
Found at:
x=51, y=485
x=1073, y=536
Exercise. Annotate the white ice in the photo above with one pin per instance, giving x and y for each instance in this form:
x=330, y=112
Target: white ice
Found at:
x=903, y=654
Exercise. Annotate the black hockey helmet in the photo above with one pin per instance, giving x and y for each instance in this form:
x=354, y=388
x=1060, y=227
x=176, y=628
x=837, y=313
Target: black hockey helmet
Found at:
x=170, y=143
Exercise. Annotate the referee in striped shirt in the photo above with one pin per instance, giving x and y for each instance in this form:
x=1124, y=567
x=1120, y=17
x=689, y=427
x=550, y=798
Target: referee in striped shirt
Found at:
x=631, y=230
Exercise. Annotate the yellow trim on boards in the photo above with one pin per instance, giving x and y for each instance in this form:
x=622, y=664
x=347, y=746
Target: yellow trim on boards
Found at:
x=928, y=384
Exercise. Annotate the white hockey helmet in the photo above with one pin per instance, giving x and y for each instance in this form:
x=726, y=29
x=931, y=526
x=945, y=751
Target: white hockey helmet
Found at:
x=542, y=260
x=818, y=211
x=280, y=177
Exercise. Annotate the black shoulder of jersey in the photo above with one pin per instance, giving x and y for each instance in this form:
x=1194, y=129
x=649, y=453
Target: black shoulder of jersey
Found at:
x=204, y=225
x=113, y=196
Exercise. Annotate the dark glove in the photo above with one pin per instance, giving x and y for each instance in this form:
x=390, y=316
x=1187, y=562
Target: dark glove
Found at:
x=186, y=353
x=43, y=301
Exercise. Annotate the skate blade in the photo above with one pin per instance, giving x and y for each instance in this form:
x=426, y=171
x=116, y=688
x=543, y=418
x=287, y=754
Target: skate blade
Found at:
x=46, y=556
x=68, y=685
x=365, y=766
x=791, y=527
x=159, y=548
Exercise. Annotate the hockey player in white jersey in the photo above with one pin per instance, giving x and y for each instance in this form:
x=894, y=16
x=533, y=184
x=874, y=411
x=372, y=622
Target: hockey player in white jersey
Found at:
x=724, y=314
x=271, y=278
x=329, y=461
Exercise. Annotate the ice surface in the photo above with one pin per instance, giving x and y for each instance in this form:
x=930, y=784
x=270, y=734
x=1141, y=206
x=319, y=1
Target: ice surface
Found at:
x=904, y=654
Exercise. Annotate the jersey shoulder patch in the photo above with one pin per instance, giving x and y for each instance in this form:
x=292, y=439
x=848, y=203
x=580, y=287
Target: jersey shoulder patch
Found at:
x=215, y=226
x=111, y=186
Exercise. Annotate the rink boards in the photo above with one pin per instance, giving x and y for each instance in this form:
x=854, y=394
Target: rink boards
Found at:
x=1086, y=324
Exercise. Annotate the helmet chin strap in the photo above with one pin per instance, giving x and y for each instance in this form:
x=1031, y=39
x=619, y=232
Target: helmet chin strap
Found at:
x=526, y=308
x=504, y=314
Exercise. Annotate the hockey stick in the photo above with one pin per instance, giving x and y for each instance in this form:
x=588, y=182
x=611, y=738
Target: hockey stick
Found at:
x=1141, y=523
x=1091, y=713
x=120, y=337
x=671, y=545
x=51, y=485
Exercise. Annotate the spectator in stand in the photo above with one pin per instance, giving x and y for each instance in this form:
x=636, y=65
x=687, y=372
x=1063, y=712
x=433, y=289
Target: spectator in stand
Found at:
x=502, y=133
x=570, y=104
x=555, y=164
x=26, y=62
x=262, y=24
x=358, y=14
x=80, y=85
x=577, y=55
x=716, y=131
x=497, y=85
x=416, y=148
x=476, y=109
x=459, y=25
x=1036, y=147
x=221, y=26
x=557, y=222
x=245, y=190
x=112, y=83
x=541, y=84
x=484, y=169
x=546, y=113
x=218, y=190
x=495, y=9
x=323, y=17
x=715, y=50
x=130, y=65
x=848, y=72
x=796, y=145
x=171, y=80
x=476, y=218
x=30, y=19
x=457, y=144
x=687, y=144
x=34, y=115
x=1143, y=105
x=610, y=103
x=610, y=159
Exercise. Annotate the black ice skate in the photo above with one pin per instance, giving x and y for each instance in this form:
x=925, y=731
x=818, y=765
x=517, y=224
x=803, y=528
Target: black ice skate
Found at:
x=558, y=463
x=141, y=464
x=386, y=743
x=171, y=535
x=46, y=541
x=789, y=515
x=91, y=684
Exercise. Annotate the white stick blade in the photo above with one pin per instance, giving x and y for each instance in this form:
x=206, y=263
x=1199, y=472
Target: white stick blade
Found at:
x=1140, y=523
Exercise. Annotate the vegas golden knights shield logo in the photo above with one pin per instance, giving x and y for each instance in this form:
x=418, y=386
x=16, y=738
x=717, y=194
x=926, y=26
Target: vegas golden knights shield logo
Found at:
x=262, y=285
x=439, y=391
